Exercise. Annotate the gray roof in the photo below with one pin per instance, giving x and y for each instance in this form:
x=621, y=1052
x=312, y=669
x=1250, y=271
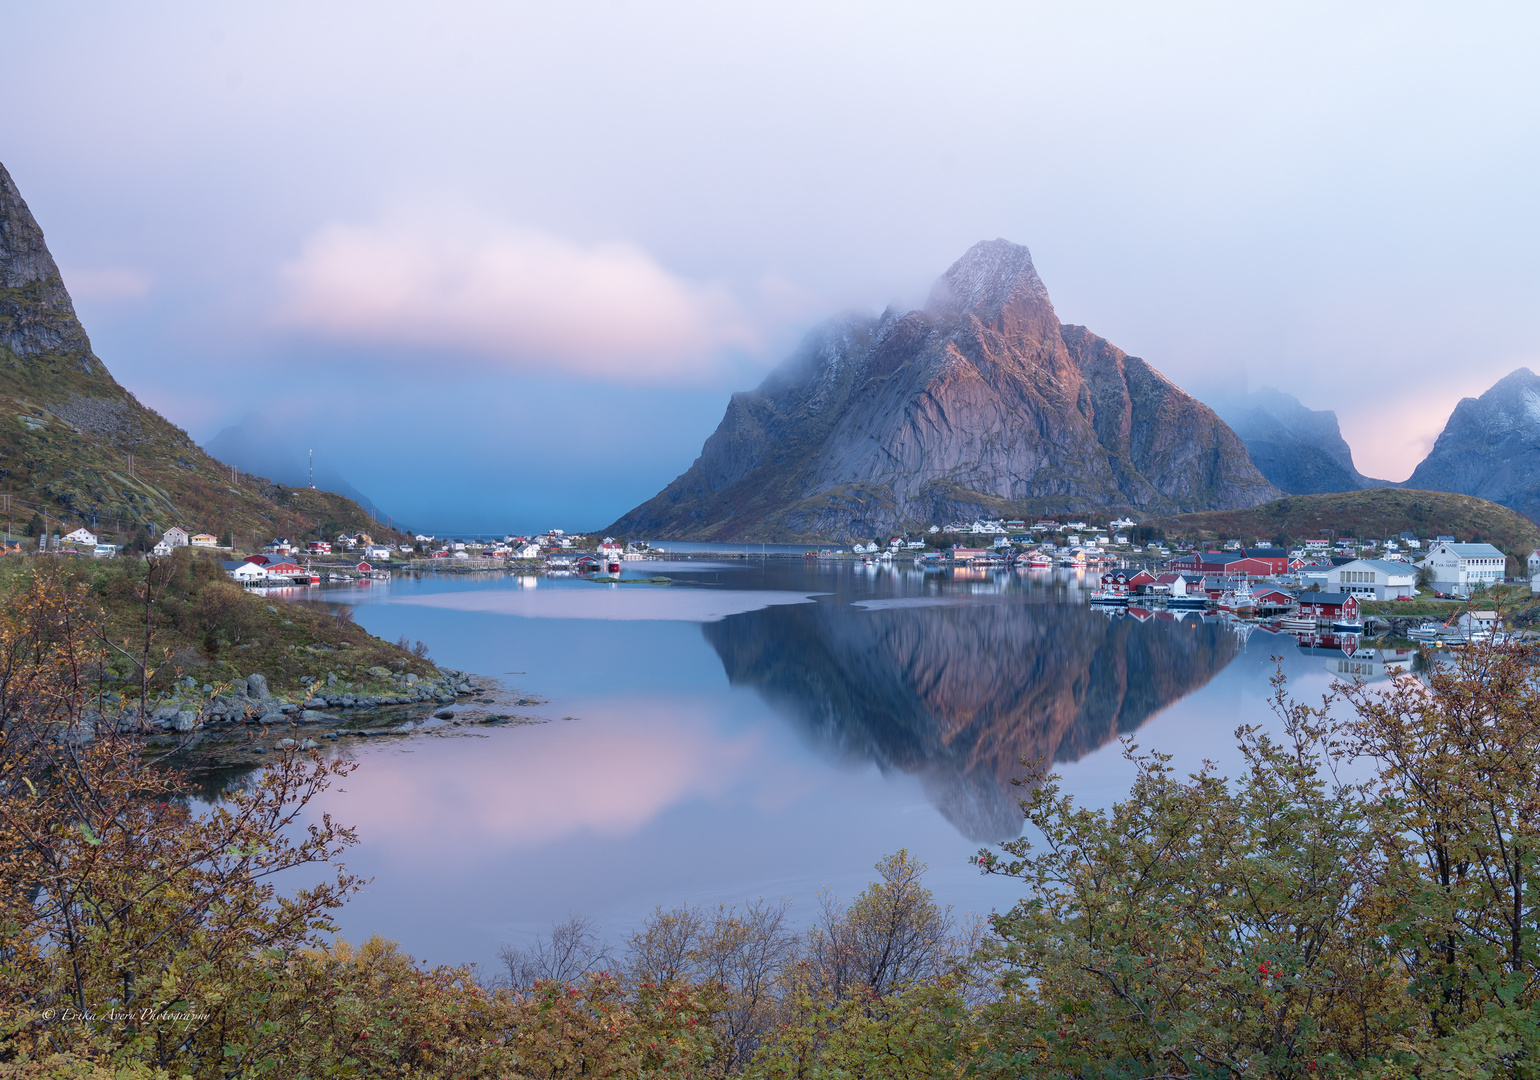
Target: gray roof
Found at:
x=1325, y=597
x=1391, y=566
x=1475, y=551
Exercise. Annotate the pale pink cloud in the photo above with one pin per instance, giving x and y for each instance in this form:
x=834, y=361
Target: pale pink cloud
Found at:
x=520, y=298
x=1391, y=433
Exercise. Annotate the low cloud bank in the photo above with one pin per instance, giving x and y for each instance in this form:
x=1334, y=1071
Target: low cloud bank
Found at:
x=521, y=298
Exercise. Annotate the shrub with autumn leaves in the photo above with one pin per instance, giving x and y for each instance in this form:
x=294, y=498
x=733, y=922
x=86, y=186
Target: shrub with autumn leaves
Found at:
x=1361, y=899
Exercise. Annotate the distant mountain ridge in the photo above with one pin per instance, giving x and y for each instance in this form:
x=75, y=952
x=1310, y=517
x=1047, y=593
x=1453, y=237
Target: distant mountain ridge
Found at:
x=981, y=403
x=77, y=446
x=1301, y=451
x=1490, y=447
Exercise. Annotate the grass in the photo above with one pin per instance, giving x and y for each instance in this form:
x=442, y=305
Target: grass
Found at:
x=1374, y=513
x=211, y=629
x=77, y=447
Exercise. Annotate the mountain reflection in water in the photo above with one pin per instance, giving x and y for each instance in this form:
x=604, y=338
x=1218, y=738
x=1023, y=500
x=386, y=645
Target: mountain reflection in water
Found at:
x=960, y=694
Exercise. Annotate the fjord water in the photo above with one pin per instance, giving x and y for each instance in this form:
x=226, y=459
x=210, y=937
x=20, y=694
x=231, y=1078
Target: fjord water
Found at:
x=759, y=728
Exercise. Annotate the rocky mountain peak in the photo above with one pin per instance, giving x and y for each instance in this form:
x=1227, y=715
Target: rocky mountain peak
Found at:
x=1490, y=447
x=980, y=405
x=24, y=257
x=1516, y=396
x=1300, y=450
x=995, y=282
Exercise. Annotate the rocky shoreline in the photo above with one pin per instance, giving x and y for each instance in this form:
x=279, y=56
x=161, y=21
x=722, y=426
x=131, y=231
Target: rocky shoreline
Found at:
x=239, y=727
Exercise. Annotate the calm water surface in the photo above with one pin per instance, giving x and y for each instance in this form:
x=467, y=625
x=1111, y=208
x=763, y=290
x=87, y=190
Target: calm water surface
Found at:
x=760, y=728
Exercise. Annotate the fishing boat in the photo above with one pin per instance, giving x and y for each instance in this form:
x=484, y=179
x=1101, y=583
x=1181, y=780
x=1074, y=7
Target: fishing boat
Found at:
x=1039, y=562
x=1295, y=624
x=1109, y=596
x=1238, y=600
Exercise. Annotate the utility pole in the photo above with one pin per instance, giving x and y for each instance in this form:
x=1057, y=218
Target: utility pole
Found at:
x=312, y=470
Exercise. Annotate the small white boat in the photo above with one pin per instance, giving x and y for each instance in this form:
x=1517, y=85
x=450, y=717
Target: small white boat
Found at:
x=1295, y=623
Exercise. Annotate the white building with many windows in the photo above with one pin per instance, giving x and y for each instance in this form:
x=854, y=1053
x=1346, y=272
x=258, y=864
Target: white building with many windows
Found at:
x=1465, y=565
x=1381, y=579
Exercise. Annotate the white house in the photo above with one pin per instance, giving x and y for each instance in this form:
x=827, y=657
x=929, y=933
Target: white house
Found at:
x=377, y=553
x=244, y=572
x=162, y=547
x=1534, y=562
x=527, y=551
x=175, y=537
x=1381, y=579
x=1465, y=565
x=82, y=536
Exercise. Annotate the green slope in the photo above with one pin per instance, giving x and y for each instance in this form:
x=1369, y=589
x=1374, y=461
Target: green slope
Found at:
x=1373, y=513
x=76, y=446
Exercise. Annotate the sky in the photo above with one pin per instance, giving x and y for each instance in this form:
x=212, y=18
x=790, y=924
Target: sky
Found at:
x=501, y=265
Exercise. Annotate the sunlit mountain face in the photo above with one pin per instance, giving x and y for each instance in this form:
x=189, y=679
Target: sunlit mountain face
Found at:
x=963, y=695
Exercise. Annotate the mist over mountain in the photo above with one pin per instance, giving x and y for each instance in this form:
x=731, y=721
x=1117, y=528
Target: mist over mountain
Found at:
x=1490, y=447
x=981, y=403
x=254, y=448
x=959, y=696
x=1301, y=451
x=78, y=447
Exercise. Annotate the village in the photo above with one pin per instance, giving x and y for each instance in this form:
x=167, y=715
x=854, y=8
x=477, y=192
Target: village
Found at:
x=1319, y=586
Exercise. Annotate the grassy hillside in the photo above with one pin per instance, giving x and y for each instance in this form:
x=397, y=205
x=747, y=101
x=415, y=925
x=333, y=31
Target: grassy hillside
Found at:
x=76, y=446
x=206, y=626
x=1372, y=513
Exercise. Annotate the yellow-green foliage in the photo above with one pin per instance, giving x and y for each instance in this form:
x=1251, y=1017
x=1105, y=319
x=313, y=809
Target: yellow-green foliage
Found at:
x=1373, y=513
x=203, y=624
